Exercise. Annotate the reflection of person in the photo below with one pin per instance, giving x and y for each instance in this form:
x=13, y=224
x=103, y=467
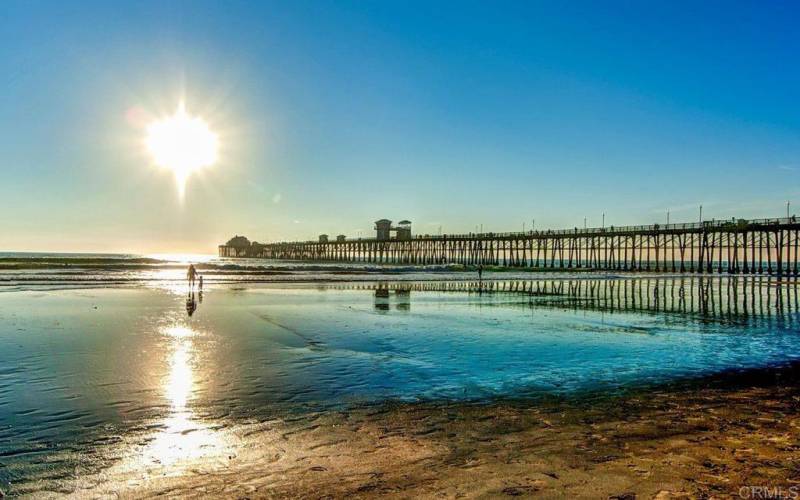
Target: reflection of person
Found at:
x=191, y=305
x=191, y=273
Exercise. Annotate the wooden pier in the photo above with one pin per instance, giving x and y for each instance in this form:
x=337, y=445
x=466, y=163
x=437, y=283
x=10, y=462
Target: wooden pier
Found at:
x=761, y=246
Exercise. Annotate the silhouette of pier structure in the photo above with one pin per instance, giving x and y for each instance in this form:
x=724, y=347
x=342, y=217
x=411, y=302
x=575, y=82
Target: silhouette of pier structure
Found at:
x=734, y=246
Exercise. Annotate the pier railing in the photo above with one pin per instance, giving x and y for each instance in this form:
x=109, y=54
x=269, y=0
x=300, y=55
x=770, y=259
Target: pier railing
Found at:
x=723, y=224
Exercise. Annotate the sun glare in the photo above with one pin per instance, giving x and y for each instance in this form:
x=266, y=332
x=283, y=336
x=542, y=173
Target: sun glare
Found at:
x=183, y=144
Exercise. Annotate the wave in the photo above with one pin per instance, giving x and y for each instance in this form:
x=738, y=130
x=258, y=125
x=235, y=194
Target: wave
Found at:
x=25, y=262
x=219, y=266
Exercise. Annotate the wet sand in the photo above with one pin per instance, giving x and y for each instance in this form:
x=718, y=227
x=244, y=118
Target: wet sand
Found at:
x=697, y=439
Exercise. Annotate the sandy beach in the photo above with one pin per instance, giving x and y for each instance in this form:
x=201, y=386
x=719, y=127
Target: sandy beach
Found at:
x=713, y=438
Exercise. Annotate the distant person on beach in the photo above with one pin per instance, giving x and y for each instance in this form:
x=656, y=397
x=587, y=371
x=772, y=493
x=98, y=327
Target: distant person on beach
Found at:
x=480, y=272
x=200, y=282
x=191, y=274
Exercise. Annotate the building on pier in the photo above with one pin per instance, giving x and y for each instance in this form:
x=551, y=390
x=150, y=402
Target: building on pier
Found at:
x=384, y=230
x=238, y=246
x=403, y=230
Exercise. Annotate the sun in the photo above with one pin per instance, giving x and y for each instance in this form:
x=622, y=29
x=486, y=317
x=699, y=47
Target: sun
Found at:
x=183, y=144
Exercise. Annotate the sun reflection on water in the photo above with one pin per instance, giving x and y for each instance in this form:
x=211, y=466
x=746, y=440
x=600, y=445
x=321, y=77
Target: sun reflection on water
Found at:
x=183, y=258
x=178, y=386
x=182, y=438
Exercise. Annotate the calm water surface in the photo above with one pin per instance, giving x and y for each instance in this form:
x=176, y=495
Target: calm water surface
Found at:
x=104, y=381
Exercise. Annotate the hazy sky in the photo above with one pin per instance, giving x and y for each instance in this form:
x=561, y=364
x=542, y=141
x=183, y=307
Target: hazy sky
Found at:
x=334, y=114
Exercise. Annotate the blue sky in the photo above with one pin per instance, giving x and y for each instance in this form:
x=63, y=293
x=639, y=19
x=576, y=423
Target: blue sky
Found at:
x=334, y=114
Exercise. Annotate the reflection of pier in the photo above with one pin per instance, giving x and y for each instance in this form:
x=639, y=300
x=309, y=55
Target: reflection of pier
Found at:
x=727, y=298
x=386, y=296
x=764, y=246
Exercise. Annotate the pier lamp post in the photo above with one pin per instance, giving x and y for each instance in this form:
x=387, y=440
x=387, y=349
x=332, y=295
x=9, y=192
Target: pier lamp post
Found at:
x=604, y=221
x=701, y=214
x=787, y=208
x=668, y=217
x=584, y=223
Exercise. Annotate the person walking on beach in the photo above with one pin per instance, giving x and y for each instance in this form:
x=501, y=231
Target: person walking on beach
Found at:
x=480, y=272
x=191, y=274
x=200, y=282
